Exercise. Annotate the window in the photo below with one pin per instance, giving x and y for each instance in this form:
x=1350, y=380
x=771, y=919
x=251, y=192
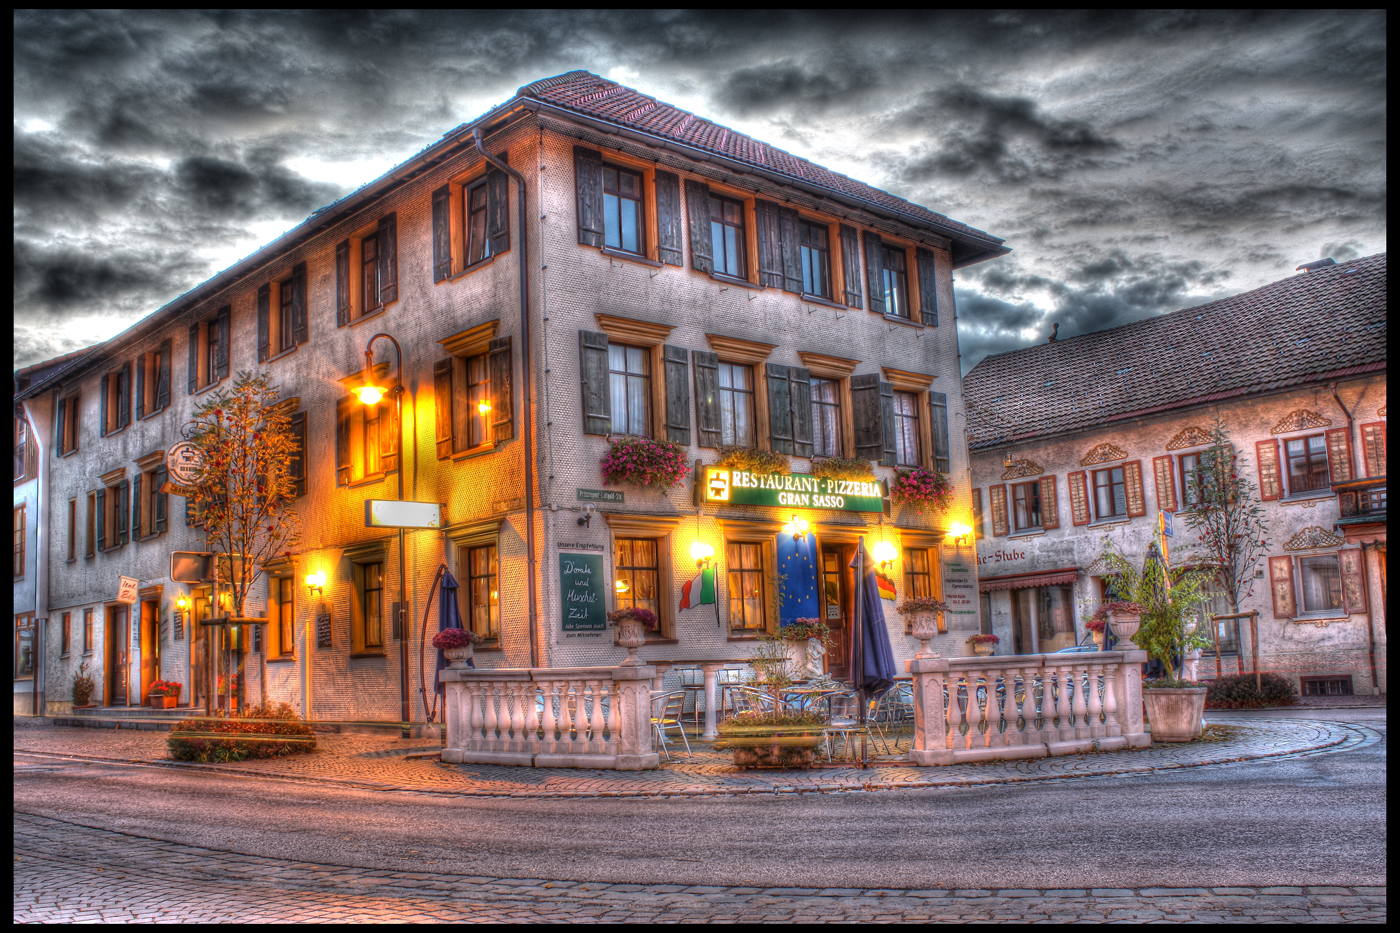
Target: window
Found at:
x=629, y=378
x=816, y=259
x=1042, y=619
x=90, y=541
x=478, y=244
x=1190, y=479
x=1026, y=505
x=367, y=270
x=746, y=586
x=1338, y=685
x=149, y=505
x=636, y=575
x=736, y=405
x=284, y=317
x=113, y=504
x=87, y=631
x=907, y=449
x=483, y=599
x=826, y=417
x=622, y=209
x=209, y=351
x=1110, y=494
x=152, y=378
x=66, y=644
x=367, y=610
x=1321, y=579
x=472, y=393
x=24, y=646
x=66, y=426
x=369, y=275
x=72, y=529
x=921, y=579
x=727, y=242
x=281, y=631
x=367, y=439
x=19, y=541
x=895, y=278
x=1307, y=463
x=21, y=436
x=116, y=399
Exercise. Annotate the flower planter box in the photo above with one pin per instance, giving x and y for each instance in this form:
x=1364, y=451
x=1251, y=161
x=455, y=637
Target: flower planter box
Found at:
x=790, y=748
x=1175, y=712
x=162, y=702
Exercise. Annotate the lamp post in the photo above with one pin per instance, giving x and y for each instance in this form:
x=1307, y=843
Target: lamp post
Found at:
x=370, y=394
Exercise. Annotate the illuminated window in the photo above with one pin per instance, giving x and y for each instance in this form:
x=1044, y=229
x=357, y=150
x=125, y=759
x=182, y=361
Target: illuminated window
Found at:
x=67, y=643
x=636, y=572
x=921, y=580
x=87, y=631
x=281, y=636
x=483, y=599
x=24, y=646
x=747, y=602
x=367, y=608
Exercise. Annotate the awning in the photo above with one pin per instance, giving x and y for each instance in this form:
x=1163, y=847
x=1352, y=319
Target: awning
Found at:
x=1018, y=581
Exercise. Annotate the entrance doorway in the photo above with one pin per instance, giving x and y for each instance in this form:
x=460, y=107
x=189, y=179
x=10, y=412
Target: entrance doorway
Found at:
x=199, y=648
x=150, y=646
x=838, y=585
x=117, y=635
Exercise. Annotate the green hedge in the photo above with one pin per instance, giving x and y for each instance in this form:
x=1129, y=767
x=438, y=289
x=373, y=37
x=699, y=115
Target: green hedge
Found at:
x=222, y=738
x=1238, y=691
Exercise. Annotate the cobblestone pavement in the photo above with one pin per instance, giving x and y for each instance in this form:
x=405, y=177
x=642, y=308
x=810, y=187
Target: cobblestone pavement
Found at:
x=66, y=873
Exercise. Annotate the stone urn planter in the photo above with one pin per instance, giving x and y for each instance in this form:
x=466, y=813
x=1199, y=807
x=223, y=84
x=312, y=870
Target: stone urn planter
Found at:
x=923, y=626
x=1175, y=712
x=1125, y=626
x=457, y=657
x=631, y=634
x=983, y=650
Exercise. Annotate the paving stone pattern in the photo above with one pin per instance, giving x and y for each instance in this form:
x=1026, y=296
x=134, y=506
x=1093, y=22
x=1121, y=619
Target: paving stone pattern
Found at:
x=378, y=762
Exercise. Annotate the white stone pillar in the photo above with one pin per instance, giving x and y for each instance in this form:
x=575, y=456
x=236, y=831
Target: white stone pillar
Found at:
x=636, y=749
x=1127, y=683
x=711, y=670
x=930, y=745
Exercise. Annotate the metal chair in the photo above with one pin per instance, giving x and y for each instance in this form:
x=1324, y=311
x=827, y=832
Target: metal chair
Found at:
x=666, y=715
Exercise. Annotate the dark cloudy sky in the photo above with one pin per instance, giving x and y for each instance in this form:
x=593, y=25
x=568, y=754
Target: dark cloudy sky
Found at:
x=1136, y=164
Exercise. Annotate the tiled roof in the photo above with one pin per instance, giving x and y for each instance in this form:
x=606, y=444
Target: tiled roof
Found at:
x=1310, y=327
x=599, y=98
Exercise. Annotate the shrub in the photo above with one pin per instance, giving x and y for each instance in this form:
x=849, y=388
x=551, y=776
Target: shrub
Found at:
x=644, y=461
x=851, y=468
x=450, y=638
x=800, y=630
x=1238, y=691
x=83, y=685
x=758, y=462
x=266, y=731
x=922, y=489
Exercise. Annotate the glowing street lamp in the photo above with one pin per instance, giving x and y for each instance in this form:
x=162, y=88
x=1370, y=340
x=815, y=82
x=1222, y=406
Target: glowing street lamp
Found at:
x=884, y=554
x=702, y=554
x=959, y=532
x=797, y=528
x=316, y=583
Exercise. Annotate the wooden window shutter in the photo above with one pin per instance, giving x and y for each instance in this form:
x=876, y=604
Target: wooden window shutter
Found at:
x=938, y=409
x=501, y=369
x=788, y=233
x=299, y=304
x=887, y=425
x=442, y=400
x=865, y=417
x=342, y=283
x=1049, y=504
x=163, y=374
x=103, y=423
x=676, y=360
x=928, y=285
x=124, y=395
x=1165, y=481
x=160, y=500
x=779, y=409
x=668, y=219
x=707, y=420
x=997, y=494
x=1132, y=488
x=297, y=467
x=388, y=435
x=136, y=506
x=101, y=519
x=60, y=422
x=850, y=265
x=875, y=271
x=388, y=258
x=977, y=513
x=697, y=204
x=801, y=398
x=588, y=178
x=597, y=394
x=264, y=321
x=1281, y=585
x=1266, y=453
x=498, y=207
x=343, y=411
x=1353, y=562
x=222, y=351
x=770, y=245
x=442, y=233
x=1339, y=454
x=193, y=381
x=1373, y=447
x=140, y=368
x=1078, y=498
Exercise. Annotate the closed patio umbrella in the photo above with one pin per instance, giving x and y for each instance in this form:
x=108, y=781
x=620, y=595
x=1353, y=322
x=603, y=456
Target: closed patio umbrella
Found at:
x=448, y=617
x=872, y=667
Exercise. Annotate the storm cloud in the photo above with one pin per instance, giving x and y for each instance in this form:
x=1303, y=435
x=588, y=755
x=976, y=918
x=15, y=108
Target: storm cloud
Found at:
x=1136, y=162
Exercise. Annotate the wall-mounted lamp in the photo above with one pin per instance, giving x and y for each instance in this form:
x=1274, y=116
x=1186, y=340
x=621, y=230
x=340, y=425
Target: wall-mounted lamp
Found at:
x=182, y=602
x=960, y=533
x=884, y=554
x=369, y=393
x=586, y=519
x=1008, y=461
x=702, y=554
x=316, y=583
x=797, y=528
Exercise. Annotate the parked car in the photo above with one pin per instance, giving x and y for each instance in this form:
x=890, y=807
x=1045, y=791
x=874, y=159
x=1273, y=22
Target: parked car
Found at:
x=1076, y=649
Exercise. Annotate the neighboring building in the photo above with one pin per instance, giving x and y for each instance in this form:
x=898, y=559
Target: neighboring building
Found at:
x=1086, y=438
x=684, y=282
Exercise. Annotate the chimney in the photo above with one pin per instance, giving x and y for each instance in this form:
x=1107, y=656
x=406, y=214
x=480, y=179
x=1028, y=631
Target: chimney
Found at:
x=1319, y=264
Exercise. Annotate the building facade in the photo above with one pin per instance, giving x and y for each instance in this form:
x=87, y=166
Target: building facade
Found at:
x=672, y=280
x=1082, y=441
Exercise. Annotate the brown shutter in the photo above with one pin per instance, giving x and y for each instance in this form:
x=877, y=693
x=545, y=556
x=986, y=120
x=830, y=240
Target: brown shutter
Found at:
x=501, y=369
x=1339, y=454
x=800, y=397
x=59, y=424
x=442, y=233
x=865, y=417
x=668, y=222
x=299, y=304
x=1266, y=453
x=160, y=500
x=1373, y=447
x=707, y=421
x=139, y=368
x=928, y=285
x=163, y=375
x=791, y=238
x=850, y=265
x=102, y=422
x=498, y=207
x=1049, y=504
x=388, y=259
x=388, y=435
x=1166, y=483
x=1078, y=498
x=997, y=494
x=593, y=372
x=442, y=400
x=343, y=410
x=123, y=506
x=193, y=381
x=779, y=409
x=887, y=424
x=874, y=271
x=676, y=361
x=101, y=518
x=1132, y=488
x=136, y=507
x=1281, y=585
x=977, y=513
x=588, y=179
x=697, y=204
x=770, y=245
x=938, y=409
x=264, y=321
x=296, y=468
x=221, y=353
x=1353, y=561
x=124, y=395
x=342, y=283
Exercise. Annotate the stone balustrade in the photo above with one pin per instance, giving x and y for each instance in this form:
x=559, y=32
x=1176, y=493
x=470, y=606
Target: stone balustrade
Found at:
x=587, y=717
x=1026, y=706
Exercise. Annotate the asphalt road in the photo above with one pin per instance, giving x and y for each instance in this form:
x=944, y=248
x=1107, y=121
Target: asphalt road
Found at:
x=1313, y=820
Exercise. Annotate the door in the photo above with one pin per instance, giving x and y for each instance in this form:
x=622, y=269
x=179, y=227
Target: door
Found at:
x=150, y=646
x=117, y=635
x=837, y=587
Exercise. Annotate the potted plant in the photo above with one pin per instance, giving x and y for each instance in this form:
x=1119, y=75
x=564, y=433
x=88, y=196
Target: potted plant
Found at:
x=1126, y=618
x=924, y=613
x=922, y=489
x=83, y=685
x=644, y=461
x=456, y=645
x=814, y=634
x=632, y=627
x=778, y=738
x=164, y=694
x=983, y=644
x=1096, y=624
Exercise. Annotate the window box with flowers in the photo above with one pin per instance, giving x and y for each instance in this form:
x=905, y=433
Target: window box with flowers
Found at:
x=644, y=461
x=755, y=461
x=922, y=489
x=456, y=644
x=164, y=694
x=983, y=644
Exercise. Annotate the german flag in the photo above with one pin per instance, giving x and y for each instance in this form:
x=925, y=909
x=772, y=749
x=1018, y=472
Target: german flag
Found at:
x=886, y=585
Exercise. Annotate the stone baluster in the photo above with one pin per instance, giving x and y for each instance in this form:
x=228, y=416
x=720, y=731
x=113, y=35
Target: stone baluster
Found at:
x=1080, y=677
x=1111, y=726
x=1063, y=708
x=1095, y=702
x=609, y=691
x=978, y=729
x=578, y=725
x=532, y=715
x=595, y=718
x=548, y=721
x=488, y=708
x=1029, y=676
x=1010, y=731
x=929, y=746
x=517, y=717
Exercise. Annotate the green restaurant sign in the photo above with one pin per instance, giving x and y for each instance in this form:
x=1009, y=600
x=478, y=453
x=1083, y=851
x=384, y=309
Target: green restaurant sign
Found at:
x=792, y=491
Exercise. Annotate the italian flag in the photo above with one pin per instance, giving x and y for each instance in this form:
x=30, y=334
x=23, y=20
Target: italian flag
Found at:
x=699, y=591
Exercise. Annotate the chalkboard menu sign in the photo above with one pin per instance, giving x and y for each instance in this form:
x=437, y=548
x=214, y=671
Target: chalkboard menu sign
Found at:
x=584, y=604
x=323, y=630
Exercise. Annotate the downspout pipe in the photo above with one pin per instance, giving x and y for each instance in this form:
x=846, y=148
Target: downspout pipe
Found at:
x=526, y=383
x=1365, y=565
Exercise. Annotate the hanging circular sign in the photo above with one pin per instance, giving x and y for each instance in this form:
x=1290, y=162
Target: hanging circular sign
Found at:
x=183, y=462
